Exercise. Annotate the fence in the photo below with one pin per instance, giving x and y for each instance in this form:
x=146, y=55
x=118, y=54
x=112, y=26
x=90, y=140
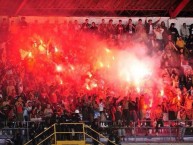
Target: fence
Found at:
x=146, y=130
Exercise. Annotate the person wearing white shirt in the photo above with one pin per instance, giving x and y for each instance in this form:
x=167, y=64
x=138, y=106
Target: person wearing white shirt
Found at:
x=185, y=65
x=184, y=32
x=102, y=113
x=158, y=33
x=27, y=110
x=101, y=106
x=159, y=37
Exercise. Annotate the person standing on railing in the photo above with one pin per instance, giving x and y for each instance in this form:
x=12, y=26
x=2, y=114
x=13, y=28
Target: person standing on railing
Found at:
x=188, y=106
x=27, y=111
x=165, y=109
x=102, y=114
x=181, y=131
x=148, y=116
x=141, y=107
x=76, y=127
x=118, y=115
x=173, y=105
x=126, y=111
x=158, y=118
x=19, y=110
x=132, y=111
x=48, y=112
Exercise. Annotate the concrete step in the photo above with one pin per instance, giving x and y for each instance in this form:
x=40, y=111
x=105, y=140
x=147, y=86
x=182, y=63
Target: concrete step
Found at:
x=149, y=139
x=156, y=143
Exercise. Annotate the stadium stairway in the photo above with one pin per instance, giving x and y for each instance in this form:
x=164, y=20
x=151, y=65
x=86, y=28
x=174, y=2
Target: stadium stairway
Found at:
x=55, y=135
x=69, y=134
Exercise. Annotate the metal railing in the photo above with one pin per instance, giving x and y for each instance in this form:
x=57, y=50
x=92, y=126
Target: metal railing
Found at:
x=43, y=136
x=24, y=128
x=170, y=131
x=100, y=135
x=66, y=132
x=69, y=132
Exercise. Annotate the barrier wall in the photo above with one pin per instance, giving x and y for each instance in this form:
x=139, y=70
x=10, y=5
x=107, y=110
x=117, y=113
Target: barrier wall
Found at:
x=41, y=19
x=156, y=143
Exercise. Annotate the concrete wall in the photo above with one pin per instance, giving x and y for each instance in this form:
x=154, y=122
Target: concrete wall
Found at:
x=156, y=143
x=179, y=21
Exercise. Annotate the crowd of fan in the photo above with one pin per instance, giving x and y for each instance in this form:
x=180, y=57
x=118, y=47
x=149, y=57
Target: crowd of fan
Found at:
x=47, y=103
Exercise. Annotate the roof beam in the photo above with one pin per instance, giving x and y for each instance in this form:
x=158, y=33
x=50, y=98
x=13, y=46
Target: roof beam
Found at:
x=179, y=8
x=20, y=6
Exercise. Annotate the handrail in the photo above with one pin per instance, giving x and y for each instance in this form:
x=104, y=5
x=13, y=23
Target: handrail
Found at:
x=100, y=134
x=46, y=138
x=55, y=132
x=39, y=134
x=95, y=139
x=84, y=126
x=44, y=130
x=71, y=123
x=68, y=132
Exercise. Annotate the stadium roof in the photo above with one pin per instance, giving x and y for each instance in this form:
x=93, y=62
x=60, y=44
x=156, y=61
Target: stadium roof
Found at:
x=171, y=8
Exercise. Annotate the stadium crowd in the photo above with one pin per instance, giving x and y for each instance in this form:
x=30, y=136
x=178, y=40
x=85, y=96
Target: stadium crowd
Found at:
x=23, y=98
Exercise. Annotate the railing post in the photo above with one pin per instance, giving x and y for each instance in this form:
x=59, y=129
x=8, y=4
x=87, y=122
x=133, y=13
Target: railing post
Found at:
x=27, y=131
x=83, y=125
x=135, y=131
x=55, y=134
x=170, y=131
